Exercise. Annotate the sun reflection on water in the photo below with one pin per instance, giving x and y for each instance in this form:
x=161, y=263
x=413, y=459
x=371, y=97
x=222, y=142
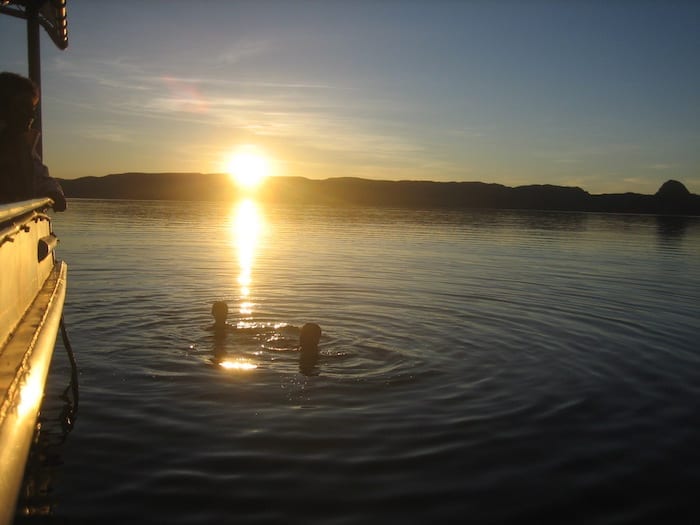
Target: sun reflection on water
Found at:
x=247, y=225
x=229, y=364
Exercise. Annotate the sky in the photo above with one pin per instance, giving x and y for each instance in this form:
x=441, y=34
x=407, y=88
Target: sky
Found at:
x=604, y=95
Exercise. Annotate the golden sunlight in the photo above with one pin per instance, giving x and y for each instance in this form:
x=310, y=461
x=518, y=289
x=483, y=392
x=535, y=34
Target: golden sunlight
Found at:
x=31, y=394
x=246, y=225
x=237, y=365
x=248, y=167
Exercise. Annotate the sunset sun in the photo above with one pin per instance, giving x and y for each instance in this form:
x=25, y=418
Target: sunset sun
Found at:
x=248, y=167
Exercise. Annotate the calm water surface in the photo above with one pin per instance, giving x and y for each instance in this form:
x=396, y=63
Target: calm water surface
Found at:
x=486, y=367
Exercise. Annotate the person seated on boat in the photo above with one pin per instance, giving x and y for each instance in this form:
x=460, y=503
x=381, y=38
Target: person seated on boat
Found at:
x=22, y=174
x=309, y=337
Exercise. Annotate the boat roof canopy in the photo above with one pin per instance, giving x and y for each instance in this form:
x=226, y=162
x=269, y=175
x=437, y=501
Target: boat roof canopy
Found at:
x=51, y=15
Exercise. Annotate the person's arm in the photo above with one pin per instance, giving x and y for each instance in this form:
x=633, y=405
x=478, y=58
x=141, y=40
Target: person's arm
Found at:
x=45, y=185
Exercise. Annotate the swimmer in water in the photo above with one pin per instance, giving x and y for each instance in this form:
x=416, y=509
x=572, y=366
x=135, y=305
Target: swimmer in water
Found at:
x=309, y=338
x=220, y=312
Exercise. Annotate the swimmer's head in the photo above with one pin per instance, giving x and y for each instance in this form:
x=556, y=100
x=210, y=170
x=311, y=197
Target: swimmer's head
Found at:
x=309, y=337
x=220, y=311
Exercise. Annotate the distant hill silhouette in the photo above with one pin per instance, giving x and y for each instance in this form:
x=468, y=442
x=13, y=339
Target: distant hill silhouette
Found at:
x=672, y=198
x=151, y=186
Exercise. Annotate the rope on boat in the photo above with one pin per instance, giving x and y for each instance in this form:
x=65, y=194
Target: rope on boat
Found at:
x=70, y=409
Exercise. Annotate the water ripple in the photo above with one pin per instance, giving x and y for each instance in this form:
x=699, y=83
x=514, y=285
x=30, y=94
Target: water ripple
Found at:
x=490, y=366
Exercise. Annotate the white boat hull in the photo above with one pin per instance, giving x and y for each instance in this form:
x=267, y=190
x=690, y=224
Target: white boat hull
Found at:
x=32, y=293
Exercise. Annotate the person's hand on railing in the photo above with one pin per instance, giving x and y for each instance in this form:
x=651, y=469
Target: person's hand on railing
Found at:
x=59, y=201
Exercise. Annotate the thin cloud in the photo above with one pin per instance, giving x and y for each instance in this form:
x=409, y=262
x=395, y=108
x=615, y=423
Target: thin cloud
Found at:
x=118, y=73
x=466, y=133
x=115, y=134
x=242, y=51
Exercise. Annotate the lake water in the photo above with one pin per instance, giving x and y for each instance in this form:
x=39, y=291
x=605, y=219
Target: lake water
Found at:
x=480, y=366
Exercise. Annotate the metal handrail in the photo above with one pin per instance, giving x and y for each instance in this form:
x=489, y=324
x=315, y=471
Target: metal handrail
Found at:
x=15, y=209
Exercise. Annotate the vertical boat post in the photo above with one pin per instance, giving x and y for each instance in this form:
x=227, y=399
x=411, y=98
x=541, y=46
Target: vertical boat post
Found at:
x=34, y=62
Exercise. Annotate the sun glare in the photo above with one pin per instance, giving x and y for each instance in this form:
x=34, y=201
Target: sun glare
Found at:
x=248, y=167
x=237, y=365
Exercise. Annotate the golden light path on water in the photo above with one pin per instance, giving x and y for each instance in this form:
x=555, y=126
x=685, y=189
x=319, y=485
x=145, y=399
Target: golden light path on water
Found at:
x=237, y=364
x=246, y=228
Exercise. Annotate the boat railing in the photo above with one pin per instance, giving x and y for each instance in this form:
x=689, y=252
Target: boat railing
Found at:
x=16, y=217
x=17, y=209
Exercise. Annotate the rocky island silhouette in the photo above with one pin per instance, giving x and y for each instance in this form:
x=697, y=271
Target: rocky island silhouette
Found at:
x=672, y=198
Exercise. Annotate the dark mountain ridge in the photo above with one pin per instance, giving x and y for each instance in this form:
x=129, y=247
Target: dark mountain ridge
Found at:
x=673, y=198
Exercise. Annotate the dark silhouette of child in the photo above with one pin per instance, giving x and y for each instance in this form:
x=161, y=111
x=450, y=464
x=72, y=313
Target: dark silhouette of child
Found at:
x=220, y=312
x=309, y=338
